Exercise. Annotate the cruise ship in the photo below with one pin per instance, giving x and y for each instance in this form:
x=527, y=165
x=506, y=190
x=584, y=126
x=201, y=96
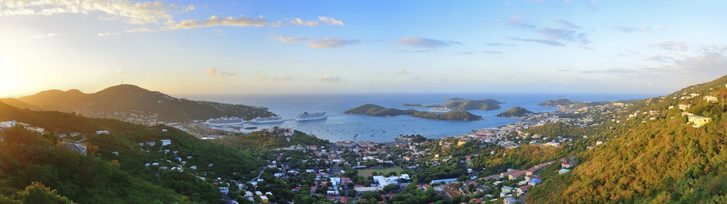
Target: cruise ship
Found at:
x=311, y=116
x=440, y=110
x=264, y=120
x=224, y=122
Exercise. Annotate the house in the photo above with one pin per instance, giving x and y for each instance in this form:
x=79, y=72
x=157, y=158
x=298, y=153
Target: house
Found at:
x=509, y=200
x=79, y=148
x=520, y=191
x=563, y=171
x=711, y=99
x=443, y=181
x=166, y=142
x=505, y=191
x=103, y=132
x=698, y=121
x=684, y=106
x=534, y=181
x=385, y=181
x=224, y=190
x=264, y=199
x=7, y=124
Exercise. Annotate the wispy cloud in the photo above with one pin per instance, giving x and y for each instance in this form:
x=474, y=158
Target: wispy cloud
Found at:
x=568, y=24
x=678, y=46
x=559, y=34
x=128, y=11
x=541, y=41
x=213, y=21
x=330, y=42
x=633, y=29
x=427, y=43
x=107, y=34
x=488, y=52
x=213, y=72
x=47, y=35
x=500, y=44
x=330, y=78
x=321, y=20
x=276, y=78
x=401, y=71
x=519, y=21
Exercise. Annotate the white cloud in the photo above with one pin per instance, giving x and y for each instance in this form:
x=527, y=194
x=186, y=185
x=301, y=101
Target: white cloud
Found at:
x=213, y=72
x=642, y=28
x=330, y=21
x=213, y=21
x=321, y=20
x=678, y=46
x=107, y=34
x=519, y=22
x=276, y=78
x=420, y=42
x=330, y=78
x=331, y=42
x=47, y=35
x=401, y=71
x=128, y=11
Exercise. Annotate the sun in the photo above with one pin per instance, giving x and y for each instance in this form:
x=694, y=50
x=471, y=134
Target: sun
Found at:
x=10, y=79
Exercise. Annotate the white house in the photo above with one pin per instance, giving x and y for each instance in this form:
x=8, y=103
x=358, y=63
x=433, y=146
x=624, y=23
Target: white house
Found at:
x=103, y=132
x=711, y=99
x=166, y=142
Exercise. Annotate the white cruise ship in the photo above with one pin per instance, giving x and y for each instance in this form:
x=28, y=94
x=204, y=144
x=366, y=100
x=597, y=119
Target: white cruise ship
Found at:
x=264, y=120
x=224, y=122
x=311, y=116
x=440, y=110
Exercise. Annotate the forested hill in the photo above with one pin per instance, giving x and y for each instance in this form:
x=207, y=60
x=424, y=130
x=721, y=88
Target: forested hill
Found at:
x=129, y=101
x=653, y=152
x=117, y=167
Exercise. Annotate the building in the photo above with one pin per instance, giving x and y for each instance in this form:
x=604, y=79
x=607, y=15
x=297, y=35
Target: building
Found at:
x=711, y=99
x=385, y=181
x=698, y=121
x=166, y=142
x=79, y=148
x=443, y=181
x=103, y=132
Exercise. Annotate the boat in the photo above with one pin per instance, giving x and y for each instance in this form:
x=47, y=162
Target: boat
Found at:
x=440, y=110
x=311, y=116
x=264, y=120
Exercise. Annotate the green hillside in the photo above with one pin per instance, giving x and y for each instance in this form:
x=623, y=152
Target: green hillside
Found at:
x=128, y=100
x=516, y=111
x=655, y=156
x=376, y=110
x=114, y=170
x=467, y=104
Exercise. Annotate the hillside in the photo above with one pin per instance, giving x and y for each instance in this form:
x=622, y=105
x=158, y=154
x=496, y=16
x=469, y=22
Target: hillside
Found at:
x=516, y=111
x=467, y=104
x=114, y=169
x=133, y=103
x=559, y=102
x=376, y=110
x=658, y=154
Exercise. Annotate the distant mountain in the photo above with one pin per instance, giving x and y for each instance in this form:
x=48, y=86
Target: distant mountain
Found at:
x=468, y=104
x=376, y=110
x=132, y=102
x=516, y=111
x=17, y=103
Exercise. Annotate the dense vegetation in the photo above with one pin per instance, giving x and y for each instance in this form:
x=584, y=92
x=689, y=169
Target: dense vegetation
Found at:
x=657, y=159
x=516, y=111
x=115, y=166
x=376, y=110
x=467, y=104
x=133, y=99
x=271, y=140
x=559, y=102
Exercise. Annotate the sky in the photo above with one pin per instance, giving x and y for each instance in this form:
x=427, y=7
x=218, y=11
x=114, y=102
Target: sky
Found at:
x=373, y=46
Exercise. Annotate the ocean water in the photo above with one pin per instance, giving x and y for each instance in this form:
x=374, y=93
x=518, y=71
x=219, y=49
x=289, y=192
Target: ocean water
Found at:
x=340, y=126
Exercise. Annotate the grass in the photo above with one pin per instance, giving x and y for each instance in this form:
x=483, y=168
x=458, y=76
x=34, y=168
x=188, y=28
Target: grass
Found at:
x=367, y=172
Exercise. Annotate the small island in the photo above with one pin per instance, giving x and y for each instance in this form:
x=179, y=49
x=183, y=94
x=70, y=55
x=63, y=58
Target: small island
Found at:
x=559, y=102
x=462, y=104
x=516, y=111
x=376, y=110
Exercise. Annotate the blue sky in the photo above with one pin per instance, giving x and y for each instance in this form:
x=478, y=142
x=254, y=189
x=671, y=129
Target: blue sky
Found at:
x=252, y=47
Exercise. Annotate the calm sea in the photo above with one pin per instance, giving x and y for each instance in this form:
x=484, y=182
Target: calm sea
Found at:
x=340, y=126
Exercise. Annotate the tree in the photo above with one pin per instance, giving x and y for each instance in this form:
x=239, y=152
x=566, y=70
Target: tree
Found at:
x=38, y=193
